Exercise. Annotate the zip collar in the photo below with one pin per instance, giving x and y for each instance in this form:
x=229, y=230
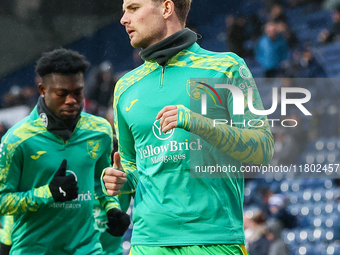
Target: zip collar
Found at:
x=162, y=51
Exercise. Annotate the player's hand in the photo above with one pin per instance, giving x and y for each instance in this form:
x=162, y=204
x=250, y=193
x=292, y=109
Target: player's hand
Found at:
x=63, y=187
x=118, y=222
x=114, y=178
x=168, y=116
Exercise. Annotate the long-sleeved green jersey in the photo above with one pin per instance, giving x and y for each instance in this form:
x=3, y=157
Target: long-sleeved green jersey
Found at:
x=29, y=157
x=176, y=203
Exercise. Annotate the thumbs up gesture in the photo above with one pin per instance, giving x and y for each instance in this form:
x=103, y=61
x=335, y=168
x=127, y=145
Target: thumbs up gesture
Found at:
x=114, y=178
x=63, y=187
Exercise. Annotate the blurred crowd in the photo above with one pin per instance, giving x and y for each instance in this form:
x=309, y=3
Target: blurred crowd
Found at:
x=268, y=37
x=264, y=225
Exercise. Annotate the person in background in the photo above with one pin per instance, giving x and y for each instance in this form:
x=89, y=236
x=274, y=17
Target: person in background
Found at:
x=309, y=67
x=271, y=50
x=50, y=162
x=273, y=234
x=101, y=91
x=277, y=207
x=332, y=34
x=256, y=240
x=3, y=129
x=236, y=37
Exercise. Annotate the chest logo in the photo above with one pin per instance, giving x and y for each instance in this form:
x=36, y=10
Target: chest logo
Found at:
x=195, y=88
x=39, y=153
x=71, y=172
x=131, y=104
x=157, y=131
x=198, y=89
x=93, y=147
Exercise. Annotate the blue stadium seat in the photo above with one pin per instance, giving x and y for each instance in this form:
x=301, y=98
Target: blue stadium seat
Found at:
x=317, y=210
x=305, y=211
x=305, y=249
x=326, y=183
x=307, y=195
x=332, y=157
x=333, y=249
x=327, y=235
x=317, y=221
x=329, y=56
x=320, y=144
x=331, y=143
x=317, y=195
x=290, y=236
x=213, y=45
x=320, y=20
x=292, y=13
x=284, y=187
x=329, y=121
x=330, y=50
x=294, y=209
x=302, y=236
x=257, y=71
x=309, y=158
x=320, y=248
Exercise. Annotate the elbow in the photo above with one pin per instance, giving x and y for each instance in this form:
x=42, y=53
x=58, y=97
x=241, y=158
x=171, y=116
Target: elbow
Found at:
x=268, y=150
x=265, y=150
x=266, y=160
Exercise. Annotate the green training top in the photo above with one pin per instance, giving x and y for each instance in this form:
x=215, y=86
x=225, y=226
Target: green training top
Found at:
x=29, y=157
x=178, y=202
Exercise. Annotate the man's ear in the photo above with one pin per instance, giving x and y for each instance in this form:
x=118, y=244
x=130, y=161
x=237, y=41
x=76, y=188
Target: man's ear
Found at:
x=168, y=9
x=42, y=88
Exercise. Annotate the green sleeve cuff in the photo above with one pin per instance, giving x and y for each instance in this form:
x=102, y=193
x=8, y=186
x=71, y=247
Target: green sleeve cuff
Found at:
x=109, y=203
x=183, y=119
x=102, y=182
x=43, y=195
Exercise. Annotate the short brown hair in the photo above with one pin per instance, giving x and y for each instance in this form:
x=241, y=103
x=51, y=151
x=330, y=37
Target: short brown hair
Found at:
x=182, y=8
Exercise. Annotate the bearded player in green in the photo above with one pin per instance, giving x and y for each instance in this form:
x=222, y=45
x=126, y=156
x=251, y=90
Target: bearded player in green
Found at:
x=167, y=134
x=49, y=162
x=163, y=135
